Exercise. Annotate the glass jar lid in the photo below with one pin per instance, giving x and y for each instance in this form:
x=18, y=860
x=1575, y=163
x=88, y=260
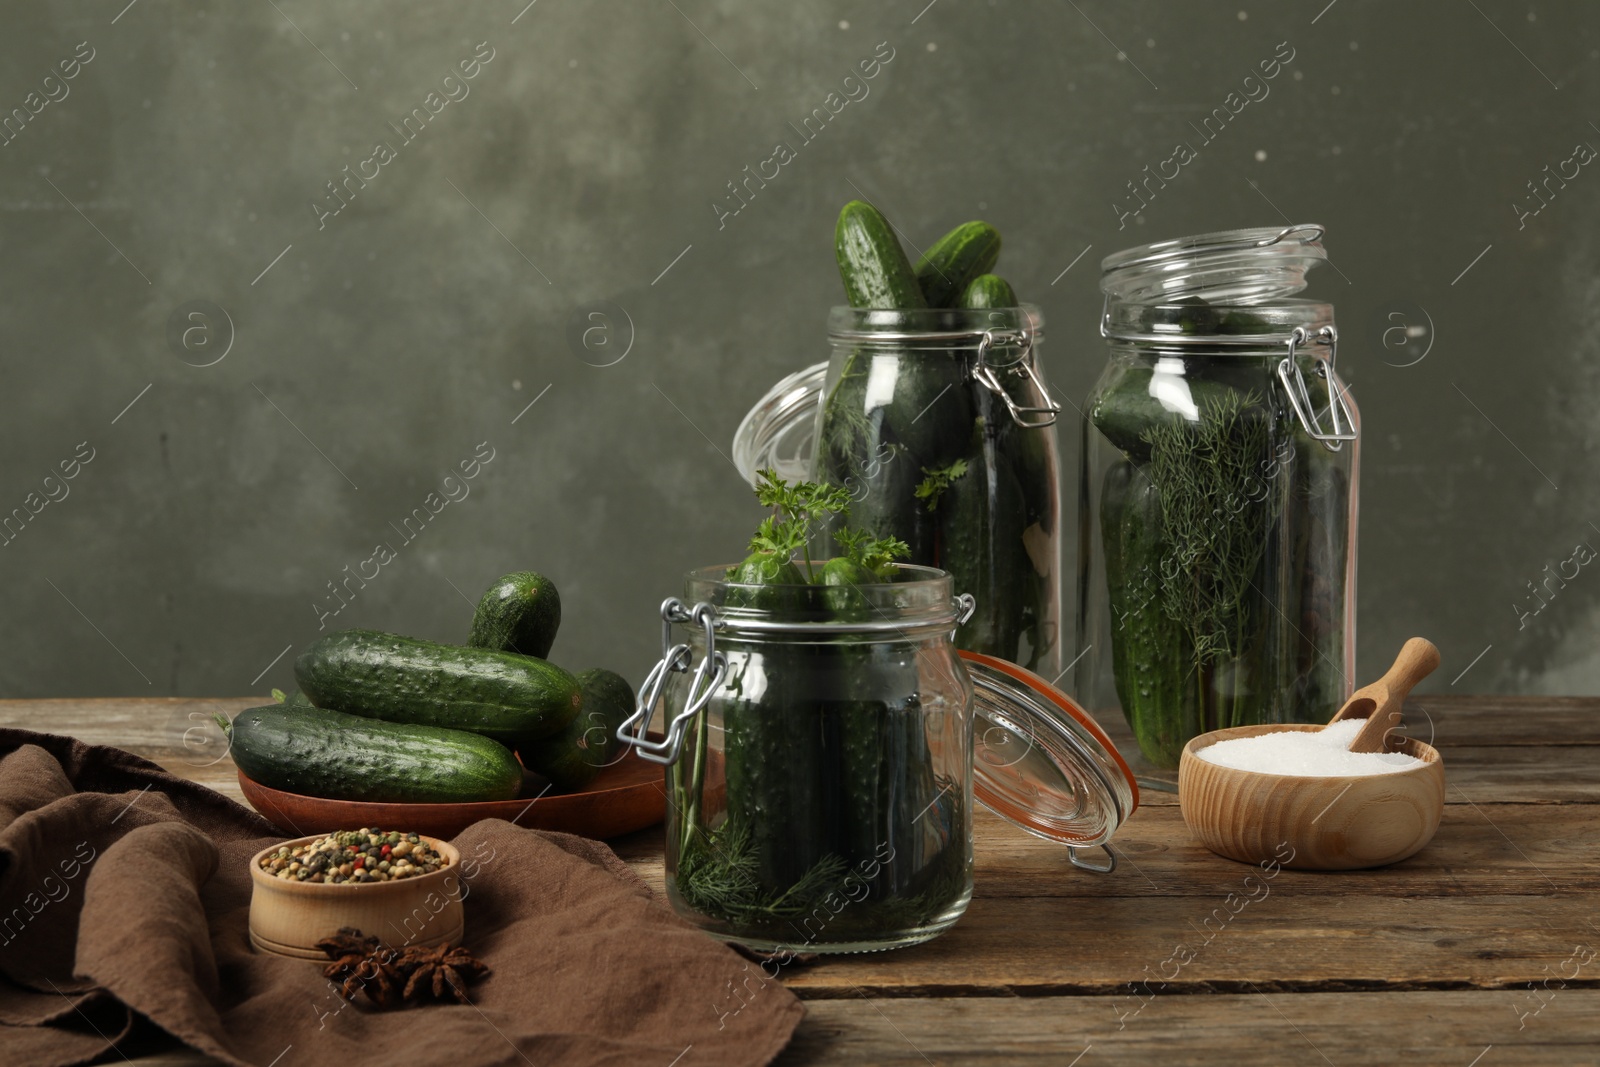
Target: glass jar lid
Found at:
x=780, y=430
x=1041, y=762
x=1248, y=266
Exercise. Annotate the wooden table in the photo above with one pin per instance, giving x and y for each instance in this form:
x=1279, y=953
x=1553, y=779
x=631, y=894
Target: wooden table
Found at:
x=1478, y=952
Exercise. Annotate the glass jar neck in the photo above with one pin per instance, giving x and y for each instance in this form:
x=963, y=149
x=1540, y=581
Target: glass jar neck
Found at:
x=956, y=329
x=919, y=602
x=1197, y=327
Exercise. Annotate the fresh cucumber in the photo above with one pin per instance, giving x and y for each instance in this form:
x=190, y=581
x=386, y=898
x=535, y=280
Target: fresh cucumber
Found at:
x=982, y=517
x=840, y=576
x=874, y=267
x=773, y=750
x=951, y=263
x=931, y=411
x=520, y=612
x=509, y=697
x=574, y=757
x=322, y=753
x=1129, y=408
x=766, y=582
x=988, y=291
x=885, y=504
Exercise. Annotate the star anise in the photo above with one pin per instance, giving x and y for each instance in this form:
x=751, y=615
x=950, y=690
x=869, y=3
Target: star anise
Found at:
x=364, y=966
x=393, y=978
x=347, y=949
x=437, y=970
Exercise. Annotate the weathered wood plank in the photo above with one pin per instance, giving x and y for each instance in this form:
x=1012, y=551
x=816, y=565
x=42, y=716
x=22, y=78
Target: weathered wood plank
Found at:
x=1283, y=941
x=1423, y=1029
x=1481, y=720
x=1546, y=850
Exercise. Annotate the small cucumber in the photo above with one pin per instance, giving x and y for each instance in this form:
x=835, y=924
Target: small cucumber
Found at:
x=841, y=576
x=509, y=697
x=988, y=291
x=573, y=758
x=874, y=267
x=981, y=522
x=765, y=581
x=520, y=612
x=322, y=753
x=1136, y=402
x=951, y=263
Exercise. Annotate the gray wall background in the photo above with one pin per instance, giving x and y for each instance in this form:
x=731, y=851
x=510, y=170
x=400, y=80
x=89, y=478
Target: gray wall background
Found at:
x=378, y=351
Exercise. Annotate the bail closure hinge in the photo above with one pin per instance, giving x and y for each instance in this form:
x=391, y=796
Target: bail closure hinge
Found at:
x=675, y=659
x=1294, y=386
x=1029, y=418
x=1098, y=868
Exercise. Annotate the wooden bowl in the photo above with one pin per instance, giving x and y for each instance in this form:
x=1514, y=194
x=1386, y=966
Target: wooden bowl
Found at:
x=289, y=918
x=1336, y=823
x=628, y=795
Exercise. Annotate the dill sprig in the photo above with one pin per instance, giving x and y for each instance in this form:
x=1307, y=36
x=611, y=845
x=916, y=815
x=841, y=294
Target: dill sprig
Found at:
x=1213, y=551
x=719, y=877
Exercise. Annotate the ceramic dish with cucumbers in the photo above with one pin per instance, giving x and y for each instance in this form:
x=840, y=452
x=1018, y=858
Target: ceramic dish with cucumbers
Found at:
x=386, y=729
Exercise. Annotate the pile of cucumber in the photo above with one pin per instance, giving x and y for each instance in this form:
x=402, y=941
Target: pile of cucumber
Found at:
x=940, y=463
x=384, y=718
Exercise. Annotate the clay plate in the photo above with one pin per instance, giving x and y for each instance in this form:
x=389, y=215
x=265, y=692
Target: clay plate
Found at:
x=628, y=795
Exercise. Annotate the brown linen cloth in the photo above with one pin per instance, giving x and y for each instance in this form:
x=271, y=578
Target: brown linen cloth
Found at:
x=125, y=895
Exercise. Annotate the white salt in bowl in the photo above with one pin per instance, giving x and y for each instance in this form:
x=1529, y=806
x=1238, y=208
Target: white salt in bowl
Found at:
x=1324, y=823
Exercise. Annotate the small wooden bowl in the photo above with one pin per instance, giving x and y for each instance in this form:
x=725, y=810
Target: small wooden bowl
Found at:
x=289, y=918
x=1336, y=823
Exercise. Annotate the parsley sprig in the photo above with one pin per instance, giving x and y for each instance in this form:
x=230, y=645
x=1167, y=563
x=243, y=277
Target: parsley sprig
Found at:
x=799, y=512
x=932, y=487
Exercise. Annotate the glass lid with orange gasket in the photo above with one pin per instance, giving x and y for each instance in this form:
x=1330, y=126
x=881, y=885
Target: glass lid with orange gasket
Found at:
x=1043, y=763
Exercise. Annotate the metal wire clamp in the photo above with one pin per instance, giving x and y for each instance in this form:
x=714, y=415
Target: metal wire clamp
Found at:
x=1021, y=367
x=675, y=659
x=1300, y=396
x=1105, y=868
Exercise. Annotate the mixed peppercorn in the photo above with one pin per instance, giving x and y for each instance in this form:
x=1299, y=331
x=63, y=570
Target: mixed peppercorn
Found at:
x=355, y=856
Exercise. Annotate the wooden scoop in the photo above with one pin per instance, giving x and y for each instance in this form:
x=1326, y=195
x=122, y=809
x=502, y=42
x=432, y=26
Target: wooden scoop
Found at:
x=1379, y=703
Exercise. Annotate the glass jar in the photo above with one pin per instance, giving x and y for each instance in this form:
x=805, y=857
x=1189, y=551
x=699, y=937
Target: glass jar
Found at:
x=1217, y=545
x=940, y=424
x=820, y=760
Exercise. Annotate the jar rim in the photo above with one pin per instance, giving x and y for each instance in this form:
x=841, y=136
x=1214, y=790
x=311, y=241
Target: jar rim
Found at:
x=931, y=327
x=1214, y=329
x=1249, y=266
x=922, y=599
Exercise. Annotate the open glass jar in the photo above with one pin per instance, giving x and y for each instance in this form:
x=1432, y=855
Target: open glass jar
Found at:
x=820, y=749
x=1219, y=469
x=940, y=424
